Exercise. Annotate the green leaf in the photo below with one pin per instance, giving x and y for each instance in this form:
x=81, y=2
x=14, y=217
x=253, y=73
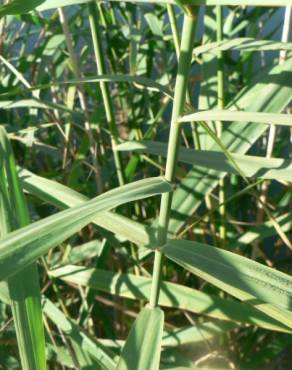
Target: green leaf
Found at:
x=238, y=116
x=263, y=231
x=171, y=295
x=252, y=166
x=139, y=82
x=22, y=247
x=32, y=103
x=15, y=7
x=269, y=92
x=78, y=336
x=242, y=44
x=23, y=287
x=143, y=345
x=200, y=332
x=276, y=3
x=265, y=288
x=63, y=197
x=51, y=4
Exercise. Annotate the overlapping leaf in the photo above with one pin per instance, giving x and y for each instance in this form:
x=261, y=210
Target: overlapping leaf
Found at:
x=24, y=246
x=143, y=345
x=172, y=295
x=265, y=288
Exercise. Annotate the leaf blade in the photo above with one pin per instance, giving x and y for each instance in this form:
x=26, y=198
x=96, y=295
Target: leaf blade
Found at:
x=142, y=348
x=24, y=246
x=267, y=289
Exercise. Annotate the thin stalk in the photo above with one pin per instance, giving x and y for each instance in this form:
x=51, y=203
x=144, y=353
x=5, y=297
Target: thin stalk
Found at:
x=182, y=78
x=194, y=125
x=176, y=40
x=286, y=32
x=272, y=130
x=108, y=105
x=174, y=29
x=82, y=98
x=220, y=105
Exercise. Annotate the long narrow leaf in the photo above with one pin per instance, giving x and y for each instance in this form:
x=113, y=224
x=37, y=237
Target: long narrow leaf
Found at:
x=252, y=166
x=51, y=4
x=242, y=44
x=62, y=197
x=143, y=345
x=24, y=246
x=24, y=290
x=172, y=295
x=269, y=92
x=79, y=336
x=265, y=288
x=238, y=116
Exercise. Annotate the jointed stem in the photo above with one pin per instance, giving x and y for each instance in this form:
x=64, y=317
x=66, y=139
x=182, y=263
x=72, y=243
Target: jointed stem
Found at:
x=176, y=40
x=173, y=146
x=220, y=104
x=101, y=69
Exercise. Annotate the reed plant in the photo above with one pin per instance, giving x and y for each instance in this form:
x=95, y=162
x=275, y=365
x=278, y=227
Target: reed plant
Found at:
x=182, y=109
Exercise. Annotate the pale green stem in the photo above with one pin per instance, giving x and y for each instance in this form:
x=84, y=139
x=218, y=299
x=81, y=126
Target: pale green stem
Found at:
x=194, y=125
x=82, y=98
x=101, y=69
x=176, y=40
x=272, y=130
x=182, y=78
x=174, y=29
x=220, y=105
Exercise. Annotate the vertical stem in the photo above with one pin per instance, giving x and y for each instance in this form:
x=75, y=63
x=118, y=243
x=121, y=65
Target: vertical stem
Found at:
x=101, y=69
x=220, y=105
x=182, y=78
x=82, y=97
x=272, y=130
x=174, y=30
x=176, y=40
x=286, y=32
x=220, y=73
x=194, y=125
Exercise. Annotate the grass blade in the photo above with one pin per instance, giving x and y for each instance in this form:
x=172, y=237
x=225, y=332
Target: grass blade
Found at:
x=142, y=348
x=172, y=295
x=238, y=116
x=24, y=290
x=22, y=247
x=63, y=197
x=267, y=289
x=252, y=166
x=242, y=44
x=19, y=7
x=79, y=336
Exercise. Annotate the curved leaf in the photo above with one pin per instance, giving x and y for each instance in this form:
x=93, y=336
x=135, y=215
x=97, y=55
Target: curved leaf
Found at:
x=24, y=246
x=62, y=197
x=242, y=44
x=238, y=116
x=171, y=295
x=252, y=166
x=265, y=288
x=15, y=7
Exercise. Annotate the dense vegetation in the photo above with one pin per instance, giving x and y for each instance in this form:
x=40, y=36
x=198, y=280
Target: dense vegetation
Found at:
x=145, y=184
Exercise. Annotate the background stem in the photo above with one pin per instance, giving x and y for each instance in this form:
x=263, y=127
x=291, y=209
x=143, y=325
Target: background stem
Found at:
x=220, y=105
x=82, y=98
x=108, y=106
